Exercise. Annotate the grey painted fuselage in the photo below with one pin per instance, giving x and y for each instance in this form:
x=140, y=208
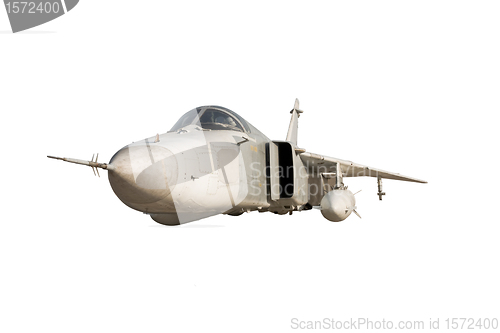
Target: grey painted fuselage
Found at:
x=192, y=172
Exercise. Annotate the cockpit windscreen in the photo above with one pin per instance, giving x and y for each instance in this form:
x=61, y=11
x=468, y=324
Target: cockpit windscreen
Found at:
x=211, y=118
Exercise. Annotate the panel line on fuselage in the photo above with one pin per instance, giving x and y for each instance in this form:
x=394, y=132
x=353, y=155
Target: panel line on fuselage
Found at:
x=149, y=152
x=210, y=156
x=227, y=186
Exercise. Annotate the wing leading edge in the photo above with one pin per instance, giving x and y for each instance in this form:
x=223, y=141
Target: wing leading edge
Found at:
x=318, y=164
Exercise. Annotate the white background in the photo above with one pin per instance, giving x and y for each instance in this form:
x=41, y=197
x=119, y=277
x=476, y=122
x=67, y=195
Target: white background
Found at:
x=409, y=87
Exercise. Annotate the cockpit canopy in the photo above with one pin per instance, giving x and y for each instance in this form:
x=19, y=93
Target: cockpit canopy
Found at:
x=215, y=118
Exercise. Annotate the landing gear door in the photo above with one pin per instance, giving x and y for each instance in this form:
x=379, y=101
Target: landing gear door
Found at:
x=273, y=169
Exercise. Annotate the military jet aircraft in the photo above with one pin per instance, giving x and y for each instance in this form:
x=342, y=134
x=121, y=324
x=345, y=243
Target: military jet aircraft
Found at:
x=213, y=162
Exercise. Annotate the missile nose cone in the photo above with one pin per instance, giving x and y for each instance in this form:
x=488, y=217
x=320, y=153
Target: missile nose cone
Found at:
x=143, y=174
x=337, y=205
x=338, y=208
x=333, y=210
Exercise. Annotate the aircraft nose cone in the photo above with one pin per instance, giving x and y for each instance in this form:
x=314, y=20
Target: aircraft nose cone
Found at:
x=143, y=174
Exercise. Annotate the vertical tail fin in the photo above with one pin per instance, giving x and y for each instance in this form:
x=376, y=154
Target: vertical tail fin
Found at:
x=294, y=123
